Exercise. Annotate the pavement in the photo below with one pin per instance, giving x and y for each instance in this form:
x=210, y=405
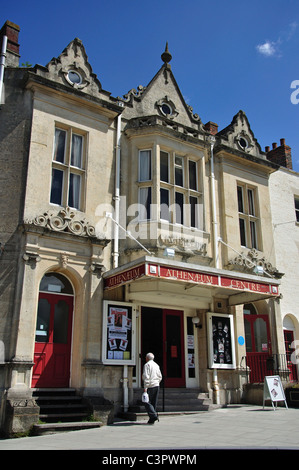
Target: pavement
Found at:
x=236, y=427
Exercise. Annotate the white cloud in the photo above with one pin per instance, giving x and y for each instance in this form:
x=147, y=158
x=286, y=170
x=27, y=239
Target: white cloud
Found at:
x=271, y=48
x=267, y=49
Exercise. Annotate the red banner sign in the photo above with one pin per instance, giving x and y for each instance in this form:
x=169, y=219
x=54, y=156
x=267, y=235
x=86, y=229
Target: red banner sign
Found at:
x=124, y=277
x=168, y=272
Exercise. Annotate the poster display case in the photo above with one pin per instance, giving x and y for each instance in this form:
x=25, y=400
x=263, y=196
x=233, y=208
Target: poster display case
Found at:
x=119, y=320
x=221, y=341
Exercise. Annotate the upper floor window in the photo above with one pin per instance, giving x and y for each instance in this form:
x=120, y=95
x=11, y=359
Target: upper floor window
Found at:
x=296, y=200
x=180, y=199
x=248, y=216
x=68, y=169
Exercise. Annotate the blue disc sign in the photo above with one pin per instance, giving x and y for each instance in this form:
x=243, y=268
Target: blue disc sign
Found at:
x=241, y=340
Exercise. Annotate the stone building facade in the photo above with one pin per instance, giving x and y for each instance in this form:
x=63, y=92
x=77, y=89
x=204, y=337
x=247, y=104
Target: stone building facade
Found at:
x=127, y=225
x=284, y=196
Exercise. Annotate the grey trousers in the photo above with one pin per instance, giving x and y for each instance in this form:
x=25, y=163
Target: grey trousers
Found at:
x=151, y=406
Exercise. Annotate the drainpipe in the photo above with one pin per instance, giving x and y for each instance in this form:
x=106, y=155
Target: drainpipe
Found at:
x=116, y=194
x=125, y=378
x=212, y=139
x=2, y=64
x=213, y=197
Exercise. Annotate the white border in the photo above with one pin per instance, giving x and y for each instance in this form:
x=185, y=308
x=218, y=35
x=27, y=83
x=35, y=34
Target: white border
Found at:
x=212, y=364
x=131, y=361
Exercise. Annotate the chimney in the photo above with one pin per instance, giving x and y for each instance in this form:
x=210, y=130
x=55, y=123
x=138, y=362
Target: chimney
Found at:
x=11, y=30
x=211, y=127
x=280, y=155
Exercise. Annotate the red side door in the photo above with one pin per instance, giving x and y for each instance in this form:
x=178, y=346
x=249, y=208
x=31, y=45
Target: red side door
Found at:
x=173, y=354
x=288, y=340
x=53, y=339
x=258, y=346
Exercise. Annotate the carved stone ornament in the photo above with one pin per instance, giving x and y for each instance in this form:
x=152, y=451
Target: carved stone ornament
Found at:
x=249, y=261
x=64, y=221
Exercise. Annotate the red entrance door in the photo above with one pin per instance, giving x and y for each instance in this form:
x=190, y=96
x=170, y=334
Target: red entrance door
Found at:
x=53, y=341
x=258, y=346
x=173, y=357
x=162, y=333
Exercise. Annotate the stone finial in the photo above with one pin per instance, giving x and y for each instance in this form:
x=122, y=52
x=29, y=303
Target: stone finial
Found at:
x=166, y=56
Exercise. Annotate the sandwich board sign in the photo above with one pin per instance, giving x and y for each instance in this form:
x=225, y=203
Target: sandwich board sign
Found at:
x=273, y=390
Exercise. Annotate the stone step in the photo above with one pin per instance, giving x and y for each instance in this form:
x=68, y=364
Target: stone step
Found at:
x=53, y=428
x=61, y=404
x=171, y=401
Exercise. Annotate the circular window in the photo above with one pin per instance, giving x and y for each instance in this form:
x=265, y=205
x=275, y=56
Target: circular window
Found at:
x=166, y=109
x=74, y=77
x=243, y=143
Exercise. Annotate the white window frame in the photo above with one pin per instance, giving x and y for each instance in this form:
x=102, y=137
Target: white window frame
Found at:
x=68, y=169
x=249, y=218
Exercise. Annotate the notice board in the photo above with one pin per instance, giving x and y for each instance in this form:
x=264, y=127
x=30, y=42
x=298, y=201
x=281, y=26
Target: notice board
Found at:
x=273, y=390
x=118, y=333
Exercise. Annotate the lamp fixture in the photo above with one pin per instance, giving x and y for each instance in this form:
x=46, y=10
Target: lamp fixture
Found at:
x=196, y=322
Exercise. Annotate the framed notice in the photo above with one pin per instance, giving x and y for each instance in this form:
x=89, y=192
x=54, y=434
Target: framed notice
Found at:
x=221, y=341
x=273, y=390
x=118, y=333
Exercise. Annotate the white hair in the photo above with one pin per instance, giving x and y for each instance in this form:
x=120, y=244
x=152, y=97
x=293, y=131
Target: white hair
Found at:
x=150, y=356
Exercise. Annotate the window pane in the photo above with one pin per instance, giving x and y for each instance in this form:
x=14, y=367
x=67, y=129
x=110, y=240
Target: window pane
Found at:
x=57, y=186
x=145, y=165
x=242, y=232
x=248, y=337
x=145, y=199
x=260, y=335
x=251, y=210
x=59, y=145
x=192, y=176
x=76, y=151
x=253, y=235
x=179, y=206
x=55, y=283
x=74, y=191
x=297, y=209
x=61, y=316
x=193, y=211
x=164, y=204
x=164, y=174
x=240, y=199
x=42, y=321
x=178, y=171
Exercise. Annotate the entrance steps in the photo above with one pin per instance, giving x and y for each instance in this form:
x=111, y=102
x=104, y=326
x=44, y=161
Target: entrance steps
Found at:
x=61, y=410
x=172, y=401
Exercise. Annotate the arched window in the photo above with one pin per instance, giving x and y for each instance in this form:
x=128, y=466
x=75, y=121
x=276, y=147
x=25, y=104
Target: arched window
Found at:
x=56, y=283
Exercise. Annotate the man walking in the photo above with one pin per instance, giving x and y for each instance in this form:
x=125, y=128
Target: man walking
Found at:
x=151, y=379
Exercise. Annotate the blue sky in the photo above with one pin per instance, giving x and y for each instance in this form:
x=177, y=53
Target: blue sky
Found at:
x=227, y=55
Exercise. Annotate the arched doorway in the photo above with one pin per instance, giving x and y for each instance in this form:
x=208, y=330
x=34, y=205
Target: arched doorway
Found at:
x=258, y=343
x=53, y=335
x=289, y=338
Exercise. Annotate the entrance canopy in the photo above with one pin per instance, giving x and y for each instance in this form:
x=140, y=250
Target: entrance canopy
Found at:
x=238, y=288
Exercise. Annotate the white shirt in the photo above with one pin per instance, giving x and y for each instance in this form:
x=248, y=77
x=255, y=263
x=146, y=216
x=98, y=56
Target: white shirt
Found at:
x=151, y=374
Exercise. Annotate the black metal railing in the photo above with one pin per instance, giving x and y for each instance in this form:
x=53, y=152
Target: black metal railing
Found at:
x=259, y=365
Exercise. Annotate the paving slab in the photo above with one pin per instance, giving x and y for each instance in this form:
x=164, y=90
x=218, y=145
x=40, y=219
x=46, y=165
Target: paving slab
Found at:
x=235, y=427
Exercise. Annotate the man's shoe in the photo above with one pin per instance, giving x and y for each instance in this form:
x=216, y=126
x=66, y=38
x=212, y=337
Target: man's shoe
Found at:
x=152, y=420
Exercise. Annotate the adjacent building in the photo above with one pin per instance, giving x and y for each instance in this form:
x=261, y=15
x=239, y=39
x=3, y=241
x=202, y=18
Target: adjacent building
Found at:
x=127, y=226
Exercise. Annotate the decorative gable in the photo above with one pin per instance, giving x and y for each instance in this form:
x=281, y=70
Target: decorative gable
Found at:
x=239, y=136
x=163, y=98
x=73, y=69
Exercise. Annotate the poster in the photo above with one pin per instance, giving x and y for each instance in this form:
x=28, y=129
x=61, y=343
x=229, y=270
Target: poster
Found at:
x=118, y=333
x=221, y=341
x=273, y=390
